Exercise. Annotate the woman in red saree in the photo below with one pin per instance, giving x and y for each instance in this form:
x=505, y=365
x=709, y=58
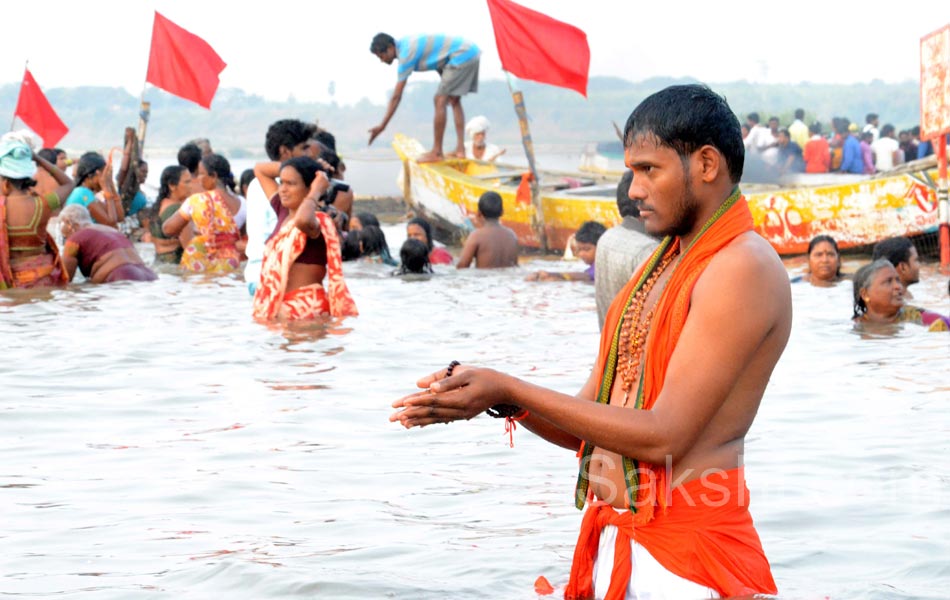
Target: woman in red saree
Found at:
x=302, y=252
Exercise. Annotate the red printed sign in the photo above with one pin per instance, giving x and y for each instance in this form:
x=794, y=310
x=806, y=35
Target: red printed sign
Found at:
x=935, y=83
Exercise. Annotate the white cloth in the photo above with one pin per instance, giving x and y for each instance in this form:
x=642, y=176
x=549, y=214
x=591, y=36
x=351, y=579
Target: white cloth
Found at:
x=261, y=221
x=884, y=149
x=873, y=130
x=491, y=151
x=620, y=250
x=649, y=580
x=760, y=137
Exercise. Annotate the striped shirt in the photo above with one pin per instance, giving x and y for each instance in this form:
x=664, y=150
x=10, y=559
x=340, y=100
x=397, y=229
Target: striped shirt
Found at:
x=432, y=53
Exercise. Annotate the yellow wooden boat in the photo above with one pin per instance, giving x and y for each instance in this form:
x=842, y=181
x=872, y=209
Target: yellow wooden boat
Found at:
x=447, y=192
x=856, y=211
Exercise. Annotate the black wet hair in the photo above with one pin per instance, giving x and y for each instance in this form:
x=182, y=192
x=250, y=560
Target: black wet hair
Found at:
x=305, y=166
x=625, y=206
x=367, y=219
x=374, y=241
x=490, y=205
x=326, y=138
x=189, y=156
x=171, y=175
x=287, y=133
x=589, y=232
x=887, y=130
x=818, y=239
x=88, y=164
x=895, y=249
x=350, y=246
x=815, y=128
x=414, y=257
x=50, y=154
x=425, y=227
x=753, y=116
x=799, y=113
x=247, y=176
x=870, y=117
x=380, y=42
x=687, y=117
x=220, y=167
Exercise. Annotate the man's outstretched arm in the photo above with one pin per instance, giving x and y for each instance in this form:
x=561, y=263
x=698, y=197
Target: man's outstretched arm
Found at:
x=390, y=111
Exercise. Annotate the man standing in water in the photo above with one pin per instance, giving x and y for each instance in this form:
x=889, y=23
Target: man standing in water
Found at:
x=660, y=424
x=456, y=61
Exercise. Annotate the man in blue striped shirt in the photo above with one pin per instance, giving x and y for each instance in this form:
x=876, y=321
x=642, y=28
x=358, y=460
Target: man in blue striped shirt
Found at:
x=456, y=61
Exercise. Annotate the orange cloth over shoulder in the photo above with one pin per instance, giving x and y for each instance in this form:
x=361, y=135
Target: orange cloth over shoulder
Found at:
x=653, y=491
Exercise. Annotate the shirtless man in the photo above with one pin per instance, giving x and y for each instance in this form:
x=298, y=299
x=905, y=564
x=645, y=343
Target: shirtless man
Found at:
x=492, y=245
x=707, y=358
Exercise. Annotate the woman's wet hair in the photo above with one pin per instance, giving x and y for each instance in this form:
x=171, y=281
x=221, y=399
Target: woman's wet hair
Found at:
x=818, y=239
x=350, y=246
x=305, y=166
x=220, y=168
x=171, y=175
x=862, y=280
x=414, y=257
x=426, y=227
x=685, y=118
x=367, y=219
x=88, y=164
x=589, y=232
x=373, y=241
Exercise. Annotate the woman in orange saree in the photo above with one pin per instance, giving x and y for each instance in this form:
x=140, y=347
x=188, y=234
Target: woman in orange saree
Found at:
x=303, y=251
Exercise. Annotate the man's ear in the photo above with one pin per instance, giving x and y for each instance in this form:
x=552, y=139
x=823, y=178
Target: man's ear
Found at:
x=710, y=162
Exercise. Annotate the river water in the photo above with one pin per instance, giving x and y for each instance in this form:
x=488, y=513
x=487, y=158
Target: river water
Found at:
x=155, y=442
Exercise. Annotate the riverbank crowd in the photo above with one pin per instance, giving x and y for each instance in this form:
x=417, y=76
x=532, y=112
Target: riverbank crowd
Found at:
x=681, y=368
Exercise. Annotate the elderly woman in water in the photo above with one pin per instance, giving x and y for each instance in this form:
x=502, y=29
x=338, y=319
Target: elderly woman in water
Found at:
x=102, y=253
x=879, y=299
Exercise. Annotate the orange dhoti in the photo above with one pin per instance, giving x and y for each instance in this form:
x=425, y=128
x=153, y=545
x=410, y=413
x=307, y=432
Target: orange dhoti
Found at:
x=705, y=536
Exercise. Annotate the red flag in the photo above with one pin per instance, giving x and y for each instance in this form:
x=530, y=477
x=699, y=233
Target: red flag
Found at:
x=35, y=110
x=534, y=46
x=182, y=63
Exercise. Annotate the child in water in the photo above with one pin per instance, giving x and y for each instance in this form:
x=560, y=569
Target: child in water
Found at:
x=585, y=248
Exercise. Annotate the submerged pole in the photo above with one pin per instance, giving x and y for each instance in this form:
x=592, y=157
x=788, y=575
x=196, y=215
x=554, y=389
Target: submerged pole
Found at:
x=943, y=210
x=537, y=220
x=145, y=110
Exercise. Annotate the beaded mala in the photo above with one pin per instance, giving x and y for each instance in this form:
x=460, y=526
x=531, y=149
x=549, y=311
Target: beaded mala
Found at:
x=634, y=331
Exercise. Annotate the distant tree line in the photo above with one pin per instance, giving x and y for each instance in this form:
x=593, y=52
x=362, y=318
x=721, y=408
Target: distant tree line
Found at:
x=236, y=124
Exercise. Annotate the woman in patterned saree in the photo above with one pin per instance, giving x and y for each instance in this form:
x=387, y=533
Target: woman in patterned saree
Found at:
x=302, y=252
x=215, y=214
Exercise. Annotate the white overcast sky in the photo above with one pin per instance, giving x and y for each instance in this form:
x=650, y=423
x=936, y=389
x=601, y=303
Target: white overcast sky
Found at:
x=275, y=49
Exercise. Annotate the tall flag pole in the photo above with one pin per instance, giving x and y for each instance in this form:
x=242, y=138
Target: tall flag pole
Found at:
x=534, y=46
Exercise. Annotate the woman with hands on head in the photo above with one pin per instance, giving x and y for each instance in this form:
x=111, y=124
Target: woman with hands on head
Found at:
x=94, y=175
